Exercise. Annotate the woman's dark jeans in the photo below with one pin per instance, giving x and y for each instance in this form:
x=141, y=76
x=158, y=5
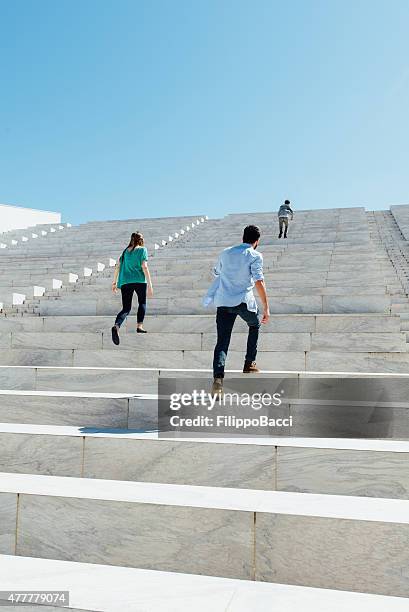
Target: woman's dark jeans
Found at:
x=127, y=295
x=225, y=318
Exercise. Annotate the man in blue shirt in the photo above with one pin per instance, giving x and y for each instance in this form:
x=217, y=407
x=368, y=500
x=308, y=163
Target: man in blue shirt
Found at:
x=238, y=270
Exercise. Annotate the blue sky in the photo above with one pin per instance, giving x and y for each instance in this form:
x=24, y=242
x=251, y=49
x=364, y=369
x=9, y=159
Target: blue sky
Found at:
x=120, y=109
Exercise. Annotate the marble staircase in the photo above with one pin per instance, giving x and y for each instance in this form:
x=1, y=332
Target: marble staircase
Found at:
x=247, y=534
x=92, y=498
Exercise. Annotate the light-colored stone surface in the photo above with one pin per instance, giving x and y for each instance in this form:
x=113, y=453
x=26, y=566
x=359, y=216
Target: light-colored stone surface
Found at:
x=347, y=472
x=323, y=552
x=20, y=378
x=60, y=410
x=345, y=262
x=87, y=379
x=324, y=361
x=42, y=454
x=375, y=468
x=107, y=588
x=340, y=304
x=274, y=360
x=341, y=324
x=297, y=528
x=8, y=514
x=128, y=358
x=344, y=444
x=5, y=340
x=56, y=340
x=225, y=465
x=245, y=500
x=294, y=599
x=156, y=342
x=198, y=540
x=359, y=342
x=51, y=357
x=350, y=421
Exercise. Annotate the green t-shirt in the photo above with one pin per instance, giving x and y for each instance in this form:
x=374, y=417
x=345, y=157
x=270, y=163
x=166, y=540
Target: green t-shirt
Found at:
x=131, y=266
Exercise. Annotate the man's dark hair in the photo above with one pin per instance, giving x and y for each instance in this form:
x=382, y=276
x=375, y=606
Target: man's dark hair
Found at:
x=287, y=202
x=251, y=234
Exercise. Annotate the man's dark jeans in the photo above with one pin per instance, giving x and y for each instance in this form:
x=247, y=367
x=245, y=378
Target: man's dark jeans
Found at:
x=226, y=316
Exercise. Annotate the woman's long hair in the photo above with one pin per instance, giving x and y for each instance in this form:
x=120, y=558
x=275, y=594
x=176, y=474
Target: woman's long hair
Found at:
x=135, y=241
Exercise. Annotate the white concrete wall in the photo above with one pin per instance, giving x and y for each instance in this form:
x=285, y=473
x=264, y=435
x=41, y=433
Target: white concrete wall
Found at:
x=16, y=217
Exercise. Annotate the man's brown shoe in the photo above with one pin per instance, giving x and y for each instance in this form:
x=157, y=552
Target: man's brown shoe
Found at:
x=217, y=387
x=250, y=367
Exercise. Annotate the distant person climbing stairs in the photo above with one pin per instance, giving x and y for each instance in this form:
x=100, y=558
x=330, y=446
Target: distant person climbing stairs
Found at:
x=284, y=212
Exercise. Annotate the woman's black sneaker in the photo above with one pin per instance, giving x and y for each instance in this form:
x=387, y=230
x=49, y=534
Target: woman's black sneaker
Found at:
x=115, y=335
x=141, y=331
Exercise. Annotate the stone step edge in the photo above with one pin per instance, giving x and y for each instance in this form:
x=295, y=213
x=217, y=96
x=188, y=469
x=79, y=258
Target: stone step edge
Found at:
x=355, y=444
x=299, y=373
x=76, y=394
x=214, y=498
x=212, y=316
x=104, y=588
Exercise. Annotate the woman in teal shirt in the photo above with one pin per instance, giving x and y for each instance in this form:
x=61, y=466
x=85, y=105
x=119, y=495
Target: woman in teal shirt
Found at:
x=132, y=275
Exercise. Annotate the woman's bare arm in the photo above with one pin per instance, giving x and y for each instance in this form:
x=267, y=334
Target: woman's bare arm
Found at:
x=148, y=277
x=116, y=274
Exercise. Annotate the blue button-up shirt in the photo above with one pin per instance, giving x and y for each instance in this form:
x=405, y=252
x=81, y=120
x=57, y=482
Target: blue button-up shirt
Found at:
x=237, y=270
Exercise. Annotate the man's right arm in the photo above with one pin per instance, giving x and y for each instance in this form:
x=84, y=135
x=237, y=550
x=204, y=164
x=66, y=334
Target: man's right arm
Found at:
x=218, y=267
x=258, y=277
x=262, y=292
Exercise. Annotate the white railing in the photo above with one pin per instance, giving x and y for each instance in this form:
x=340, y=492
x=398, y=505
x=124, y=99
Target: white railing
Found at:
x=34, y=235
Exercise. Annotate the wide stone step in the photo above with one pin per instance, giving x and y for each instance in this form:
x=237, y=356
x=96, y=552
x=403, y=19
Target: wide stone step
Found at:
x=313, y=262
x=273, y=266
x=293, y=538
x=105, y=588
x=96, y=398
x=367, y=468
x=190, y=290
x=170, y=341
x=288, y=360
x=277, y=272
x=315, y=304
x=144, y=380
x=290, y=253
x=342, y=323
x=358, y=362
x=96, y=380
x=400, y=308
x=358, y=243
x=28, y=281
x=281, y=360
x=85, y=409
